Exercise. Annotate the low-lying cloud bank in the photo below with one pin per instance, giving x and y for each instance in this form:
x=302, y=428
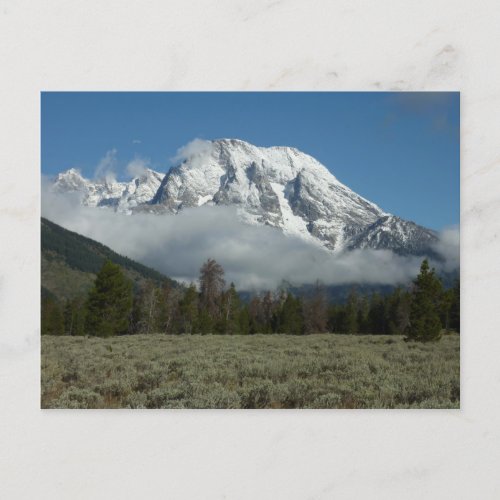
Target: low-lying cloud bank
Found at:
x=254, y=257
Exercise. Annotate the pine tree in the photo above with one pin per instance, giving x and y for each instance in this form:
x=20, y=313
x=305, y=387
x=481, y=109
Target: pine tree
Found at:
x=351, y=313
x=270, y=313
x=254, y=316
x=291, y=318
x=315, y=311
x=445, y=308
x=455, y=307
x=205, y=324
x=262, y=312
x=189, y=321
x=398, y=311
x=377, y=317
x=230, y=321
x=109, y=303
x=363, y=315
x=244, y=321
x=425, y=324
x=336, y=320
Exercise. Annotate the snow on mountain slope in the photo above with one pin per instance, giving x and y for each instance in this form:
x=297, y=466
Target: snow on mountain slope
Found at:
x=400, y=236
x=276, y=186
x=110, y=193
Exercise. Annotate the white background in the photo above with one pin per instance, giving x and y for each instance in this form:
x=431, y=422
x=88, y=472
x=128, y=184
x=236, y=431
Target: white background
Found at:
x=248, y=45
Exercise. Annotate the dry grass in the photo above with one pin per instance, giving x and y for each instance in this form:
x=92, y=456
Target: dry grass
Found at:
x=260, y=371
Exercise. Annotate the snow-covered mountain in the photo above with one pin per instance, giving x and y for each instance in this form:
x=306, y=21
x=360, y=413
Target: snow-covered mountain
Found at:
x=276, y=186
x=123, y=196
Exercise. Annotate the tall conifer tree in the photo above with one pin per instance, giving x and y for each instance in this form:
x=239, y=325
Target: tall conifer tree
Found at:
x=425, y=324
x=189, y=319
x=109, y=303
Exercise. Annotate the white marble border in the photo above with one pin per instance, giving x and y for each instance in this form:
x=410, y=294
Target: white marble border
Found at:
x=243, y=45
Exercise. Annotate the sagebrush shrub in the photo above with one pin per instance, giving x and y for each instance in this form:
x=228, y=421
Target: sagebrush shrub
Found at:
x=255, y=371
x=76, y=398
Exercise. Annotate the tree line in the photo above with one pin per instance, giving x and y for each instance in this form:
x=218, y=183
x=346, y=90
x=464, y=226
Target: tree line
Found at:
x=111, y=307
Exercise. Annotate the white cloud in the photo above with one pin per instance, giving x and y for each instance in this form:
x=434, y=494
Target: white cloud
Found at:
x=195, y=151
x=448, y=246
x=106, y=168
x=253, y=257
x=137, y=167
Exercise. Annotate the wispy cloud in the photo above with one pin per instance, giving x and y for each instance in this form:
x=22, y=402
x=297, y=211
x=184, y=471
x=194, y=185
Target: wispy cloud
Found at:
x=106, y=168
x=137, y=166
x=196, y=151
x=448, y=247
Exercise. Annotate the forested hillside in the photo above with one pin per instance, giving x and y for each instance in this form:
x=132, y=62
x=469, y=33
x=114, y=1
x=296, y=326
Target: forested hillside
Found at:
x=70, y=263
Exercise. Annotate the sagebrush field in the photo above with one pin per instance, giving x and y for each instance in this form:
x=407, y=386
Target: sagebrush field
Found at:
x=257, y=371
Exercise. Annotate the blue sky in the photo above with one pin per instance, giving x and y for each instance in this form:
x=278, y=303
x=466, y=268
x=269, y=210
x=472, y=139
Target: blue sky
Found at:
x=399, y=150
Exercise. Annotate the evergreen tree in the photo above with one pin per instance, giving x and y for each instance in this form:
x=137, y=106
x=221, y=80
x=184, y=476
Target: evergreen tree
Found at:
x=450, y=308
x=255, y=322
x=262, y=314
x=230, y=321
x=256, y=317
x=377, y=317
x=455, y=307
x=206, y=324
x=351, y=313
x=425, y=324
x=74, y=317
x=397, y=311
x=167, y=305
x=188, y=311
x=270, y=312
x=68, y=318
x=445, y=308
x=109, y=303
x=336, y=318
x=316, y=311
x=363, y=316
x=244, y=321
x=291, y=319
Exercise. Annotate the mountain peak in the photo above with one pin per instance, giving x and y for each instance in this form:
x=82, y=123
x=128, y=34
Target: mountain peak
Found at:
x=71, y=173
x=278, y=186
x=70, y=180
x=108, y=192
x=231, y=143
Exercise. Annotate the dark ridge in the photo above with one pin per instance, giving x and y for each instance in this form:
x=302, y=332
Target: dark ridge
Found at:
x=79, y=253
